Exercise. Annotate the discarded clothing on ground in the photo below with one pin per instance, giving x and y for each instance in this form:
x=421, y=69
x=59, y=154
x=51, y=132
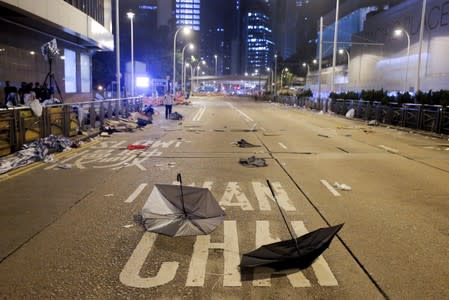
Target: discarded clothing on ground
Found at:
x=39, y=150
x=253, y=162
x=175, y=116
x=244, y=144
x=121, y=125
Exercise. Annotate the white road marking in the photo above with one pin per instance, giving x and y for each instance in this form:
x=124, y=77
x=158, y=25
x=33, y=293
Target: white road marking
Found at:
x=389, y=149
x=282, y=145
x=264, y=196
x=320, y=267
x=199, y=114
x=233, y=191
x=330, y=188
x=230, y=246
x=248, y=118
x=67, y=159
x=136, y=193
x=130, y=273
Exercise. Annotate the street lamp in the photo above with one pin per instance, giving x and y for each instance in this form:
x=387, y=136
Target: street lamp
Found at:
x=275, y=73
x=271, y=80
x=186, y=30
x=131, y=15
x=216, y=61
x=191, y=47
x=117, y=46
x=282, y=75
x=342, y=51
x=306, y=65
x=398, y=33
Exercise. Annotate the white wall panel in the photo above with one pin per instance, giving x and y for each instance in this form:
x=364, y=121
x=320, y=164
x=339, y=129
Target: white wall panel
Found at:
x=70, y=18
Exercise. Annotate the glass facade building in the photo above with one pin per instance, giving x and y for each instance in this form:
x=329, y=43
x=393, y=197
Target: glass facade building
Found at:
x=188, y=13
x=259, y=42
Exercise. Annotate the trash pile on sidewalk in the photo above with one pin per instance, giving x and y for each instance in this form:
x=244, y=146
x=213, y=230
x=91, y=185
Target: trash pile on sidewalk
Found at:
x=40, y=150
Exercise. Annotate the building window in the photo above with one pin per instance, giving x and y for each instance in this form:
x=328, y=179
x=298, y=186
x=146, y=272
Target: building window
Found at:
x=85, y=73
x=70, y=71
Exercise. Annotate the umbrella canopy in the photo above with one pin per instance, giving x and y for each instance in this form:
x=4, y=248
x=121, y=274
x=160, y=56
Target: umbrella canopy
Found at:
x=293, y=253
x=175, y=210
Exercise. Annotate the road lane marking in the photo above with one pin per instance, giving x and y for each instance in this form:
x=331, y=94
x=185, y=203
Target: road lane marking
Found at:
x=136, y=193
x=330, y=188
x=230, y=246
x=391, y=150
x=199, y=114
x=130, y=274
x=248, y=118
x=283, y=146
x=264, y=196
x=232, y=191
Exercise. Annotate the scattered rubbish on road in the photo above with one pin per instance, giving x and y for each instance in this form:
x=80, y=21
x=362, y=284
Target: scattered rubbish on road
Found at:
x=136, y=147
x=296, y=252
x=175, y=116
x=177, y=210
x=350, y=114
x=253, y=128
x=129, y=226
x=64, y=166
x=104, y=134
x=373, y=123
x=219, y=130
x=245, y=144
x=109, y=195
x=40, y=150
x=253, y=162
x=267, y=133
x=321, y=112
x=323, y=135
x=171, y=164
x=342, y=186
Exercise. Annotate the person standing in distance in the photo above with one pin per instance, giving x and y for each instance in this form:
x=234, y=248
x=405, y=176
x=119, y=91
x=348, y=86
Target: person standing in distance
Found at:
x=168, y=102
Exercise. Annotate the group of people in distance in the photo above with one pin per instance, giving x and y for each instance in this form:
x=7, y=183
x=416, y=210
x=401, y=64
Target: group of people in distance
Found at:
x=26, y=93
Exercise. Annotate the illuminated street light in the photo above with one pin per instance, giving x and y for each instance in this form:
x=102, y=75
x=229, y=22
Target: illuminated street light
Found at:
x=282, y=75
x=183, y=75
x=216, y=61
x=398, y=33
x=186, y=31
x=275, y=73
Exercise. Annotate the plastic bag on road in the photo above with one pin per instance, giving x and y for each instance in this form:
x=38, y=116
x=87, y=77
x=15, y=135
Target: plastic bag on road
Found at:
x=350, y=114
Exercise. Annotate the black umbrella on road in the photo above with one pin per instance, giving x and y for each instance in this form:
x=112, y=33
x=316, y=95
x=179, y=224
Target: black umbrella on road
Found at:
x=294, y=253
x=177, y=210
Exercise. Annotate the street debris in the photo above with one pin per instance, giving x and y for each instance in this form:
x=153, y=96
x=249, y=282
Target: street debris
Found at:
x=39, y=150
x=373, y=123
x=253, y=161
x=187, y=211
x=245, y=144
x=175, y=116
x=136, y=147
x=129, y=226
x=109, y=195
x=323, y=135
x=350, y=114
x=342, y=186
x=64, y=166
x=296, y=252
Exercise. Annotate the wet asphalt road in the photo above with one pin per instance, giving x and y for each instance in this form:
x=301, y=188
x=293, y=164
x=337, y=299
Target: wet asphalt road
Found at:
x=70, y=234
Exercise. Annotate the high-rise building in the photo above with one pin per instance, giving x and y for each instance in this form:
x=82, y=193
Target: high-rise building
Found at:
x=257, y=35
x=188, y=13
x=284, y=22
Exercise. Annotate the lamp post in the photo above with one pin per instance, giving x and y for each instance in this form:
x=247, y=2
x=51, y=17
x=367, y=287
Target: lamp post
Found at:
x=117, y=46
x=131, y=15
x=306, y=65
x=191, y=47
x=216, y=64
x=342, y=51
x=282, y=75
x=398, y=32
x=186, y=30
x=421, y=35
x=275, y=73
x=271, y=78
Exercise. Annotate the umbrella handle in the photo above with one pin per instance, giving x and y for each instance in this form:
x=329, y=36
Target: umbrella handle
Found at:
x=283, y=217
x=179, y=179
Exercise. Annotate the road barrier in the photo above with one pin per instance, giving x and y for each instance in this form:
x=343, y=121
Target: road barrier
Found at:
x=19, y=126
x=434, y=118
